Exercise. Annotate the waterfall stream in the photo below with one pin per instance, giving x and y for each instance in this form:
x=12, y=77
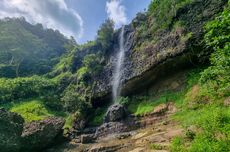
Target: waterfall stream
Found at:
x=116, y=85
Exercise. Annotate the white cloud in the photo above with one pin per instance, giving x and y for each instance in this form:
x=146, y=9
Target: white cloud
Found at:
x=51, y=13
x=116, y=12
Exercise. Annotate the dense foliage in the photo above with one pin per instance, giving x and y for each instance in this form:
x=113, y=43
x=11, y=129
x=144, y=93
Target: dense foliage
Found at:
x=160, y=17
x=82, y=66
x=216, y=78
x=23, y=88
x=105, y=35
x=70, y=83
x=163, y=12
x=27, y=49
x=204, y=105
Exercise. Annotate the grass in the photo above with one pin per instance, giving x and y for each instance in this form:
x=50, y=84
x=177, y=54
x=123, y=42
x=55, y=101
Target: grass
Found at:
x=210, y=119
x=213, y=129
x=146, y=104
x=35, y=109
x=156, y=147
x=143, y=105
x=30, y=110
x=68, y=121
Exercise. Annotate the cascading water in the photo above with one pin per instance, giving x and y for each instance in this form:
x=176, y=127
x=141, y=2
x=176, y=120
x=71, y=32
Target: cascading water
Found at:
x=116, y=86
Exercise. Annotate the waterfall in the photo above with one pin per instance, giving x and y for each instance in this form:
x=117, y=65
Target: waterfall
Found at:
x=116, y=85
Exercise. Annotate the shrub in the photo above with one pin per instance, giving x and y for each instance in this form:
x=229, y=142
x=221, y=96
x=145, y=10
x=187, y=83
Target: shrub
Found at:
x=74, y=101
x=23, y=88
x=216, y=78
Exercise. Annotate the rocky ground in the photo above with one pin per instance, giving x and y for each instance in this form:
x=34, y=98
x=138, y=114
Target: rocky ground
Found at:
x=155, y=134
x=16, y=135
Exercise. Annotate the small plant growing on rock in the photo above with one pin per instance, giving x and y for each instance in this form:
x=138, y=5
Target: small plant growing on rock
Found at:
x=123, y=101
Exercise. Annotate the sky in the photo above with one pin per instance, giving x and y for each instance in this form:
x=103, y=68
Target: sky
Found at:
x=78, y=18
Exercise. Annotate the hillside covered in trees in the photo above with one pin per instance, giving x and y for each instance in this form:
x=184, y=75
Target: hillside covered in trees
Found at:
x=29, y=49
x=175, y=73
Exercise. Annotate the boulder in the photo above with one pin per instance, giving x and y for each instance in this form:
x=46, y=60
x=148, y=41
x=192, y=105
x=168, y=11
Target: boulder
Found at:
x=37, y=135
x=11, y=126
x=116, y=127
x=115, y=113
x=123, y=135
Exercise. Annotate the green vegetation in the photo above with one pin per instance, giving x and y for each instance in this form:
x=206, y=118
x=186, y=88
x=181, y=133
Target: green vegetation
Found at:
x=62, y=75
x=156, y=147
x=212, y=122
x=146, y=104
x=203, y=106
x=23, y=88
x=83, y=66
x=98, y=116
x=27, y=49
x=216, y=78
x=177, y=145
x=68, y=87
x=141, y=105
x=32, y=110
x=69, y=121
x=163, y=11
x=105, y=35
x=159, y=17
x=36, y=109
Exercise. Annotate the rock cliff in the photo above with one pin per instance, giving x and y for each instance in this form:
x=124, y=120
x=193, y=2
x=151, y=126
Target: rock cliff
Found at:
x=172, y=49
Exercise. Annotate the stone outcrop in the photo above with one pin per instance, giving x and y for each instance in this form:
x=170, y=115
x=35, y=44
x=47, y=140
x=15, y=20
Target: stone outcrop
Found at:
x=11, y=127
x=172, y=51
x=116, y=127
x=87, y=138
x=16, y=136
x=40, y=134
x=115, y=113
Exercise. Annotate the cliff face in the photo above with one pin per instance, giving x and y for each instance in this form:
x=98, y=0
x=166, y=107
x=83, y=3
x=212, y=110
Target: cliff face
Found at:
x=170, y=50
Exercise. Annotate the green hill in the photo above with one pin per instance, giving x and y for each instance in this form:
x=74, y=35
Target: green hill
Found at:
x=27, y=49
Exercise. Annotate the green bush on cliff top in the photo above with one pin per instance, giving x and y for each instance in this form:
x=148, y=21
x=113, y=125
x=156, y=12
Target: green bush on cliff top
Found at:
x=203, y=106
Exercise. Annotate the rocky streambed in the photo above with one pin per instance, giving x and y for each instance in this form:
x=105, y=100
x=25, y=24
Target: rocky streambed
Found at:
x=122, y=132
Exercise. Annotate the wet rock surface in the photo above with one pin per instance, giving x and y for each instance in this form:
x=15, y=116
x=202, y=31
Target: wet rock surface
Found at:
x=115, y=113
x=11, y=126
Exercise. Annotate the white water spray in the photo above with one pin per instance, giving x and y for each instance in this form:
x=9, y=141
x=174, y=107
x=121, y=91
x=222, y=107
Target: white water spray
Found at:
x=119, y=67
